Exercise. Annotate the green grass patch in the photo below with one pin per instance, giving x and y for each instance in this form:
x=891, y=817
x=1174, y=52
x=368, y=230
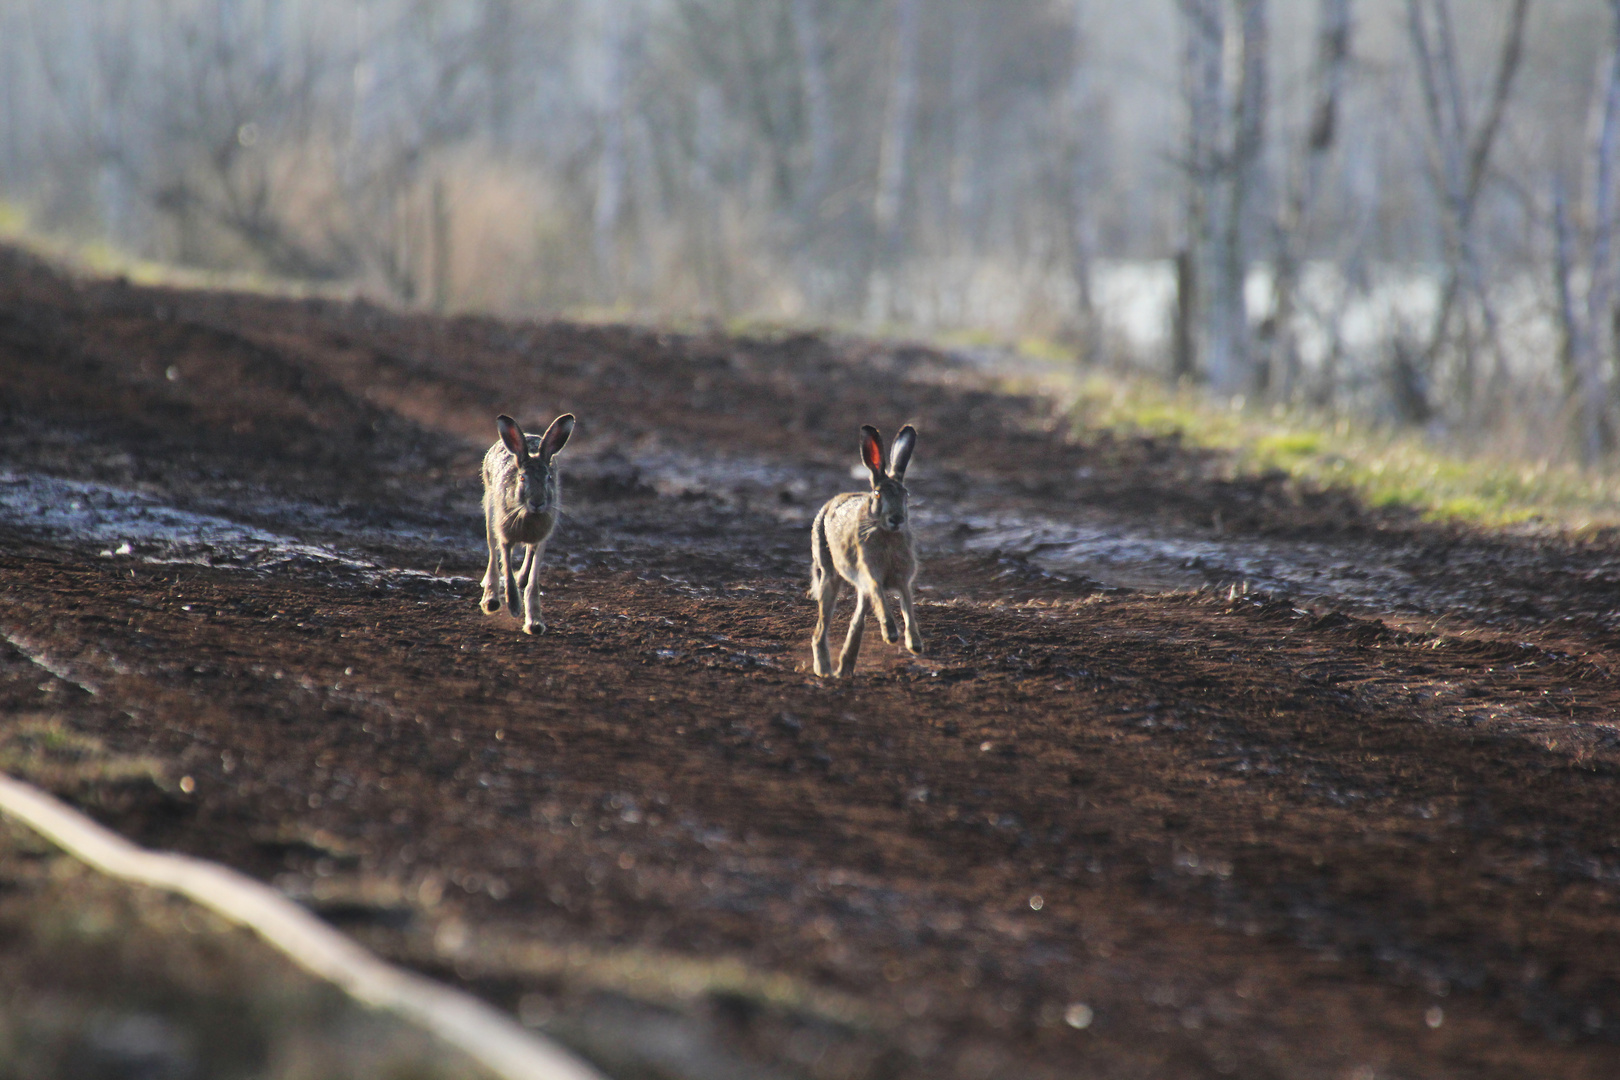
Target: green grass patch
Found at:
x=1385, y=467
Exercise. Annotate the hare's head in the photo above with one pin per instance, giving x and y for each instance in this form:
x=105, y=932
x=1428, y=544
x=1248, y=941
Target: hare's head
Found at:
x=536, y=478
x=887, y=503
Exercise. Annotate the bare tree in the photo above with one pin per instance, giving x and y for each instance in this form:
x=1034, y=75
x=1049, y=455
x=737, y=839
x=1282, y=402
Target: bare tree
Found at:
x=1333, y=36
x=1081, y=155
x=1230, y=363
x=1460, y=152
x=1204, y=89
x=1225, y=141
x=1588, y=352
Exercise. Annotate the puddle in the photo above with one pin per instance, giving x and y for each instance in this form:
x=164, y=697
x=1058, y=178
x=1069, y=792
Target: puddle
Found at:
x=135, y=525
x=1137, y=560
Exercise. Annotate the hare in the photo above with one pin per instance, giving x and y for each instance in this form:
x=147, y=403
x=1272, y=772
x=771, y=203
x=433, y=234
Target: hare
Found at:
x=865, y=539
x=520, y=508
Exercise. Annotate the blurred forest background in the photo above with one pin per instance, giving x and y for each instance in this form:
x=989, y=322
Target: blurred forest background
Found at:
x=1402, y=210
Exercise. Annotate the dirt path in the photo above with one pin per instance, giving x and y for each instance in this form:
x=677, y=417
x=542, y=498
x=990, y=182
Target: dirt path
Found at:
x=1364, y=829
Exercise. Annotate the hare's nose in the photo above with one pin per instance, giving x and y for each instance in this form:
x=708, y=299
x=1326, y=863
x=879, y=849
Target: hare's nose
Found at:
x=895, y=520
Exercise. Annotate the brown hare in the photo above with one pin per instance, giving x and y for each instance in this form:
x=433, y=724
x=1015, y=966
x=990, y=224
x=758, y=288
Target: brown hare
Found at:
x=864, y=538
x=520, y=508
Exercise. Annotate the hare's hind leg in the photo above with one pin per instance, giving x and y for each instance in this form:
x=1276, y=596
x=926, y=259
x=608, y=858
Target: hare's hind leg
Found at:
x=533, y=622
x=914, y=641
x=491, y=602
x=825, y=585
x=826, y=603
x=852, y=643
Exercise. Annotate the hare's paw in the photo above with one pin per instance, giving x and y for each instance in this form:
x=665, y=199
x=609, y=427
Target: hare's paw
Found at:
x=536, y=627
x=914, y=642
x=891, y=633
x=490, y=603
x=820, y=657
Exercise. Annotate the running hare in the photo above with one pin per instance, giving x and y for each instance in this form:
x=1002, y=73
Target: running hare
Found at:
x=520, y=508
x=865, y=539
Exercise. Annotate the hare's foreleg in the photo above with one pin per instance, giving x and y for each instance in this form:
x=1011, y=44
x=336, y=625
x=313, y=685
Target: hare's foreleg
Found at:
x=871, y=587
x=852, y=643
x=491, y=601
x=885, y=613
x=533, y=623
x=830, y=586
x=914, y=642
x=509, y=579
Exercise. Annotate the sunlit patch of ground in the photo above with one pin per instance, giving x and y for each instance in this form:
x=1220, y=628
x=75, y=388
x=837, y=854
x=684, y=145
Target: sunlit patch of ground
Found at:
x=1385, y=467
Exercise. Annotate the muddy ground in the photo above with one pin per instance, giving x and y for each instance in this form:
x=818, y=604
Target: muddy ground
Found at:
x=1202, y=775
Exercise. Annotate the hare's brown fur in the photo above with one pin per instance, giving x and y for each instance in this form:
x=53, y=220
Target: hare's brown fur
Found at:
x=864, y=538
x=521, y=505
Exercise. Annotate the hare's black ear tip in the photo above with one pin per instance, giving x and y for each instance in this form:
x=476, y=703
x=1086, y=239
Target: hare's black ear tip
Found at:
x=504, y=421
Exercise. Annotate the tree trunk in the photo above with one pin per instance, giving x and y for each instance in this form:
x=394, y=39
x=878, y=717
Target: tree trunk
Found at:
x=1184, y=355
x=440, y=212
x=1461, y=155
x=1231, y=368
x=1080, y=231
x=1204, y=89
x=1333, y=34
x=1588, y=328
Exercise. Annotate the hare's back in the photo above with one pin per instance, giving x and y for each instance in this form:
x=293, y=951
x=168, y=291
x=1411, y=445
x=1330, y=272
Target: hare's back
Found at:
x=500, y=467
x=841, y=506
x=841, y=517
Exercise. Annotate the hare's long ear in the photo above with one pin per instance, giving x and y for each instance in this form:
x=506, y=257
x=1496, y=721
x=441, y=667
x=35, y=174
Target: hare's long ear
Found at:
x=511, y=435
x=872, y=451
x=900, y=452
x=556, y=436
